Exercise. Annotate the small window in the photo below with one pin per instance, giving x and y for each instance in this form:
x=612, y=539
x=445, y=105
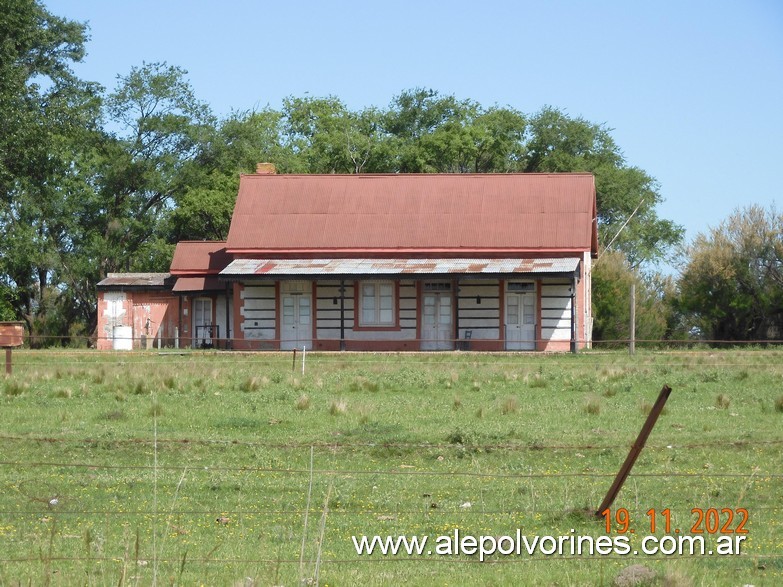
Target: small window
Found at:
x=525, y=286
x=437, y=286
x=377, y=303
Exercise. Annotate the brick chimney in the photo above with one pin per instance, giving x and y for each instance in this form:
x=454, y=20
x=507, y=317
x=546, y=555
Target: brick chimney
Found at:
x=265, y=169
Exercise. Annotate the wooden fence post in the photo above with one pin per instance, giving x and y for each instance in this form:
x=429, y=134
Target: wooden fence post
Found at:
x=636, y=449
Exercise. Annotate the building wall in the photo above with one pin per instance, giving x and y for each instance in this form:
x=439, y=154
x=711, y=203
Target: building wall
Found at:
x=255, y=316
x=480, y=310
x=151, y=315
x=586, y=301
x=555, y=316
x=481, y=315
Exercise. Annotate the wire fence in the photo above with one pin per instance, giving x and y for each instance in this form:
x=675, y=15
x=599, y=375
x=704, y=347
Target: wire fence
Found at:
x=78, y=462
x=45, y=341
x=161, y=517
x=339, y=445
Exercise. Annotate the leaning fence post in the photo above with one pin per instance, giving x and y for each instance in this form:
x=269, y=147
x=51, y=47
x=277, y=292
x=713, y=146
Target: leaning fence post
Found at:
x=636, y=449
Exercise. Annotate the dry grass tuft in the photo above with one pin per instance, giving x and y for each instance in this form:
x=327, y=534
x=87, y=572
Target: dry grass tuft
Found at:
x=510, y=405
x=302, y=402
x=338, y=407
x=13, y=388
x=592, y=405
x=250, y=384
x=364, y=412
x=139, y=388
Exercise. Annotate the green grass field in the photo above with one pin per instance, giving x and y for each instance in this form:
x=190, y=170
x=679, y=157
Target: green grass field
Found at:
x=233, y=469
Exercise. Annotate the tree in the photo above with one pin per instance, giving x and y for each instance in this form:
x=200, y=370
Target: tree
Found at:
x=211, y=179
x=656, y=318
x=39, y=95
x=475, y=140
x=326, y=137
x=559, y=143
x=45, y=115
x=732, y=284
x=162, y=128
x=441, y=134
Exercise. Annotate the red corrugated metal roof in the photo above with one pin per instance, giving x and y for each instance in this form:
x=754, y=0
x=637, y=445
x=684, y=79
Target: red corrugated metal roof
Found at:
x=189, y=284
x=460, y=213
x=199, y=257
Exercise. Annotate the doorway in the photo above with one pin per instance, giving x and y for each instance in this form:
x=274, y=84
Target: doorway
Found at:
x=296, y=315
x=202, y=323
x=437, y=332
x=521, y=317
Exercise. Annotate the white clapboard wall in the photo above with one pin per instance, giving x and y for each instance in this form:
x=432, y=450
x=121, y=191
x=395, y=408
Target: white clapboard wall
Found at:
x=482, y=317
x=556, y=311
x=259, y=312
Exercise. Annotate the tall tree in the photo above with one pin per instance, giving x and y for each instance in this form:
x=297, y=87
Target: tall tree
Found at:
x=39, y=94
x=161, y=128
x=326, y=137
x=45, y=114
x=210, y=181
x=656, y=316
x=625, y=194
x=732, y=285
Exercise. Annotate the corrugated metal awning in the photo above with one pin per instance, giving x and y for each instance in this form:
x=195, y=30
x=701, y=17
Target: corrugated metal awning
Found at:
x=259, y=268
x=190, y=284
x=135, y=280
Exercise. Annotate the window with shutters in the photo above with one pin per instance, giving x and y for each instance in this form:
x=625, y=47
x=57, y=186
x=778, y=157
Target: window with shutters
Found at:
x=377, y=303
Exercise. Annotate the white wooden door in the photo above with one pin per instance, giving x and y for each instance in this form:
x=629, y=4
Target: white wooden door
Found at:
x=202, y=323
x=520, y=321
x=437, y=331
x=296, y=316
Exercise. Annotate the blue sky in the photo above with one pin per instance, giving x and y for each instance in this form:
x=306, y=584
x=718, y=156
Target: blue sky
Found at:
x=693, y=90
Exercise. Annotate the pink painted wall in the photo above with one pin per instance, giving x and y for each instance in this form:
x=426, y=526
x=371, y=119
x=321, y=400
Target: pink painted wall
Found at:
x=151, y=315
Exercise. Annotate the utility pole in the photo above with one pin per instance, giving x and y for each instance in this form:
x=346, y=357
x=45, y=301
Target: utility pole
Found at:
x=632, y=345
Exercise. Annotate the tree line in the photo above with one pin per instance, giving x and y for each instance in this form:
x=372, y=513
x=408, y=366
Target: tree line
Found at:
x=94, y=181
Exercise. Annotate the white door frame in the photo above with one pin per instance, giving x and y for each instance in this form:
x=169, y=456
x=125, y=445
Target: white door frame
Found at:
x=437, y=321
x=296, y=315
x=201, y=337
x=520, y=317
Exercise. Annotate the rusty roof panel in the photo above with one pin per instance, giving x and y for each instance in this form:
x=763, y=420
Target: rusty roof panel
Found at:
x=390, y=267
x=139, y=280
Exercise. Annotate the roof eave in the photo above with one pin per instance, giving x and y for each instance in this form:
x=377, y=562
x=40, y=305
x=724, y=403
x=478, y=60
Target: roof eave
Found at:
x=271, y=252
